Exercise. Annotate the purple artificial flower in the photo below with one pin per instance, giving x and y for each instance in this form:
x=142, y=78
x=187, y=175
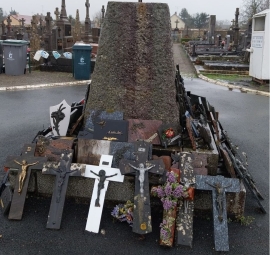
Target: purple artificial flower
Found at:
x=178, y=191
x=171, y=177
x=168, y=189
x=160, y=191
x=167, y=204
x=164, y=234
x=115, y=211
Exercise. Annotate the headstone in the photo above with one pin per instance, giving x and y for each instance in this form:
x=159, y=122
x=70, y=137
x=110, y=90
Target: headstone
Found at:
x=144, y=130
x=24, y=163
x=99, y=115
x=59, y=118
x=111, y=130
x=87, y=25
x=236, y=28
x=62, y=170
x=105, y=174
x=219, y=186
x=140, y=80
x=48, y=36
x=212, y=25
x=184, y=222
x=9, y=27
x=77, y=28
x=90, y=151
x=142, y=221
x=103, y=14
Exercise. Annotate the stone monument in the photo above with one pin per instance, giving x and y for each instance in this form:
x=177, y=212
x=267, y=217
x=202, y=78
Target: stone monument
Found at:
x=87, y=25
x=134, y=71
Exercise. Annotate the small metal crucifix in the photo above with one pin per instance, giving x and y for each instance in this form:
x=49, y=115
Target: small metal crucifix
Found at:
x=142, y=223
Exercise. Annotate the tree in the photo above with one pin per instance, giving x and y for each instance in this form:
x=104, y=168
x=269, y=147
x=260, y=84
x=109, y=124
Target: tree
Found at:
x=223, y=24
x=251, y=7
x=186, y=17
x=13, y=12
x=1, y=14
x=200, y=20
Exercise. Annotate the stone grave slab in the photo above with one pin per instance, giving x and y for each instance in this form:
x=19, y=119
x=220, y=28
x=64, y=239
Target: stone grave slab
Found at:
x=144, y=130
x=184, y=222
x=89, y=151
x=62, y=170
x=219, y=186
x=111, y=130
x=99, y=115
x=105, y=174
x=59, y=118
x=24, y=163
x=142, y=221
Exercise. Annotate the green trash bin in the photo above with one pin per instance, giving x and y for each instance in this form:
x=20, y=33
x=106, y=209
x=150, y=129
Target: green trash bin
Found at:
x=1, y=56
x=81, y=59
x=15, y=56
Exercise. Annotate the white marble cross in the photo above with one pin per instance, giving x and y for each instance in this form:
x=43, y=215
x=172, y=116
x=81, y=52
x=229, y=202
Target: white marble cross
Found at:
x=100, y=188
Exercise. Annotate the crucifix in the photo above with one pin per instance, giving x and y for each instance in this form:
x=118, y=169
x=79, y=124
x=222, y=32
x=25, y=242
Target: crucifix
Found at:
x=48, y=20
x=140, y=167
x=62, y=170
x=8, y=25
x=103, y=174
x=184, y=221
x=103, y=12
x=176, y=23
x=87, y=5
x=57, y=13
x=22, y=20
x=24, y=163
x=219, y=186
x=3, y=27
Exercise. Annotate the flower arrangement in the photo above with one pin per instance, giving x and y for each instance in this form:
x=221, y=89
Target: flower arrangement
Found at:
x=169, y=193
x=124, y=212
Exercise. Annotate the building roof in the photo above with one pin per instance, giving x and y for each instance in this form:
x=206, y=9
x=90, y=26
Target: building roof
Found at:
x=17, y=17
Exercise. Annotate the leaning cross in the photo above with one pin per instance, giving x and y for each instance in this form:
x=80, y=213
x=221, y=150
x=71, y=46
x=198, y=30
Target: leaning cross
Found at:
x=142, y=210
x=219, y=186
x=24, y=163
x=62, y=170
x=186, y=207
x=104, y=173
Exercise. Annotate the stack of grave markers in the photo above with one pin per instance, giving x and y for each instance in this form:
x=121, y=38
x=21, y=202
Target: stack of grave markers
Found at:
x=109, y=147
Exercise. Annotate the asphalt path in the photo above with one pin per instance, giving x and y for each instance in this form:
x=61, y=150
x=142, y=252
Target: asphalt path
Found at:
x=23, y=113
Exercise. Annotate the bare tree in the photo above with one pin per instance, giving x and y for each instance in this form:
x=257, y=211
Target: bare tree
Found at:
x=251, y=7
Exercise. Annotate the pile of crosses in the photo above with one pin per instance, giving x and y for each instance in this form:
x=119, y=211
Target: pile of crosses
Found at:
x=107, y=147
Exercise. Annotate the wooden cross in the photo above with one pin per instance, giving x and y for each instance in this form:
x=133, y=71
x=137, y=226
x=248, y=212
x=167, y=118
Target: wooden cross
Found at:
x=105, y=174
x=57, y=13
x=219, y=186
x=176, y=22
x=87, y=5
x=62, y=170
x=24, y=163
x=142, y=211
x=186, y=207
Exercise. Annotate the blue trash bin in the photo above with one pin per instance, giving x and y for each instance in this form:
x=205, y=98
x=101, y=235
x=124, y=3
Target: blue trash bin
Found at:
x=81, y=59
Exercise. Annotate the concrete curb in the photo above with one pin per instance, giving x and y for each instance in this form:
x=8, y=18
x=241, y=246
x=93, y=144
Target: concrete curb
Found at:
x=84, y=82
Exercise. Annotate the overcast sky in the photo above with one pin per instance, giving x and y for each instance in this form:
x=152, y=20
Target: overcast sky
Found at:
x=224, y=10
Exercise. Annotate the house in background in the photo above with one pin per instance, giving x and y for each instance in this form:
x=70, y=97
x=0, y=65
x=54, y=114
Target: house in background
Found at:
x=176, y=22
x=16, y=20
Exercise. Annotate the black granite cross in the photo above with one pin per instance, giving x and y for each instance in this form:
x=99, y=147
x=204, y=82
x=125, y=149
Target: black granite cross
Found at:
x=62, y=170
x=141, y=166
x=24, y=163
x=219, y=186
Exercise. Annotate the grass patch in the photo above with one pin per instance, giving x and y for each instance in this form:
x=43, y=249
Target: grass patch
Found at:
x=226, y=77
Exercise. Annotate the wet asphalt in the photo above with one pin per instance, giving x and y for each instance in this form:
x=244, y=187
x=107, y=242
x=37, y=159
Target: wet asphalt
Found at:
x=24, y=113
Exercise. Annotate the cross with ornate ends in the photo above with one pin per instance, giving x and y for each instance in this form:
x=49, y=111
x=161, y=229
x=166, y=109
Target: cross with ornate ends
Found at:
x=57, y=13
x=105, y=174
x=103, y=11
x=140, y=167
x=62, y=170
x=24, y=163
x=176, y=22
x=87, y=5
x=219, y=186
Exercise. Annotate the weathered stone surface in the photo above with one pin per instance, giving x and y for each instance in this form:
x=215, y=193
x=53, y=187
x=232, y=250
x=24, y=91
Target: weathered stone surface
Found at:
x=134, y=70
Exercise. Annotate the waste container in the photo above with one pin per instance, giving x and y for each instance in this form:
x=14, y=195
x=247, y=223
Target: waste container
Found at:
x=1, y=56
x=15, y=54
x=81, y=60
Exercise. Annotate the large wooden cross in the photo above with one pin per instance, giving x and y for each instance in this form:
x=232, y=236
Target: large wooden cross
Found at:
x=24, y=163
x=219, y=186
x=142, y=223
x=104, y=173
x=62, y=170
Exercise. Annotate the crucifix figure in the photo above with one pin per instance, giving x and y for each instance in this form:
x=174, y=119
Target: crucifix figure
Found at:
x=100, y=188
x=219, y=186
x=176, y=23
x=142, y=223
x=56, y=12
x=62, y=170
x=22, y=179
x=8, y=25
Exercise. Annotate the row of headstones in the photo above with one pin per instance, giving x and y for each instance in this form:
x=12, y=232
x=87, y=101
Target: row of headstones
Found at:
x=142, y=211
